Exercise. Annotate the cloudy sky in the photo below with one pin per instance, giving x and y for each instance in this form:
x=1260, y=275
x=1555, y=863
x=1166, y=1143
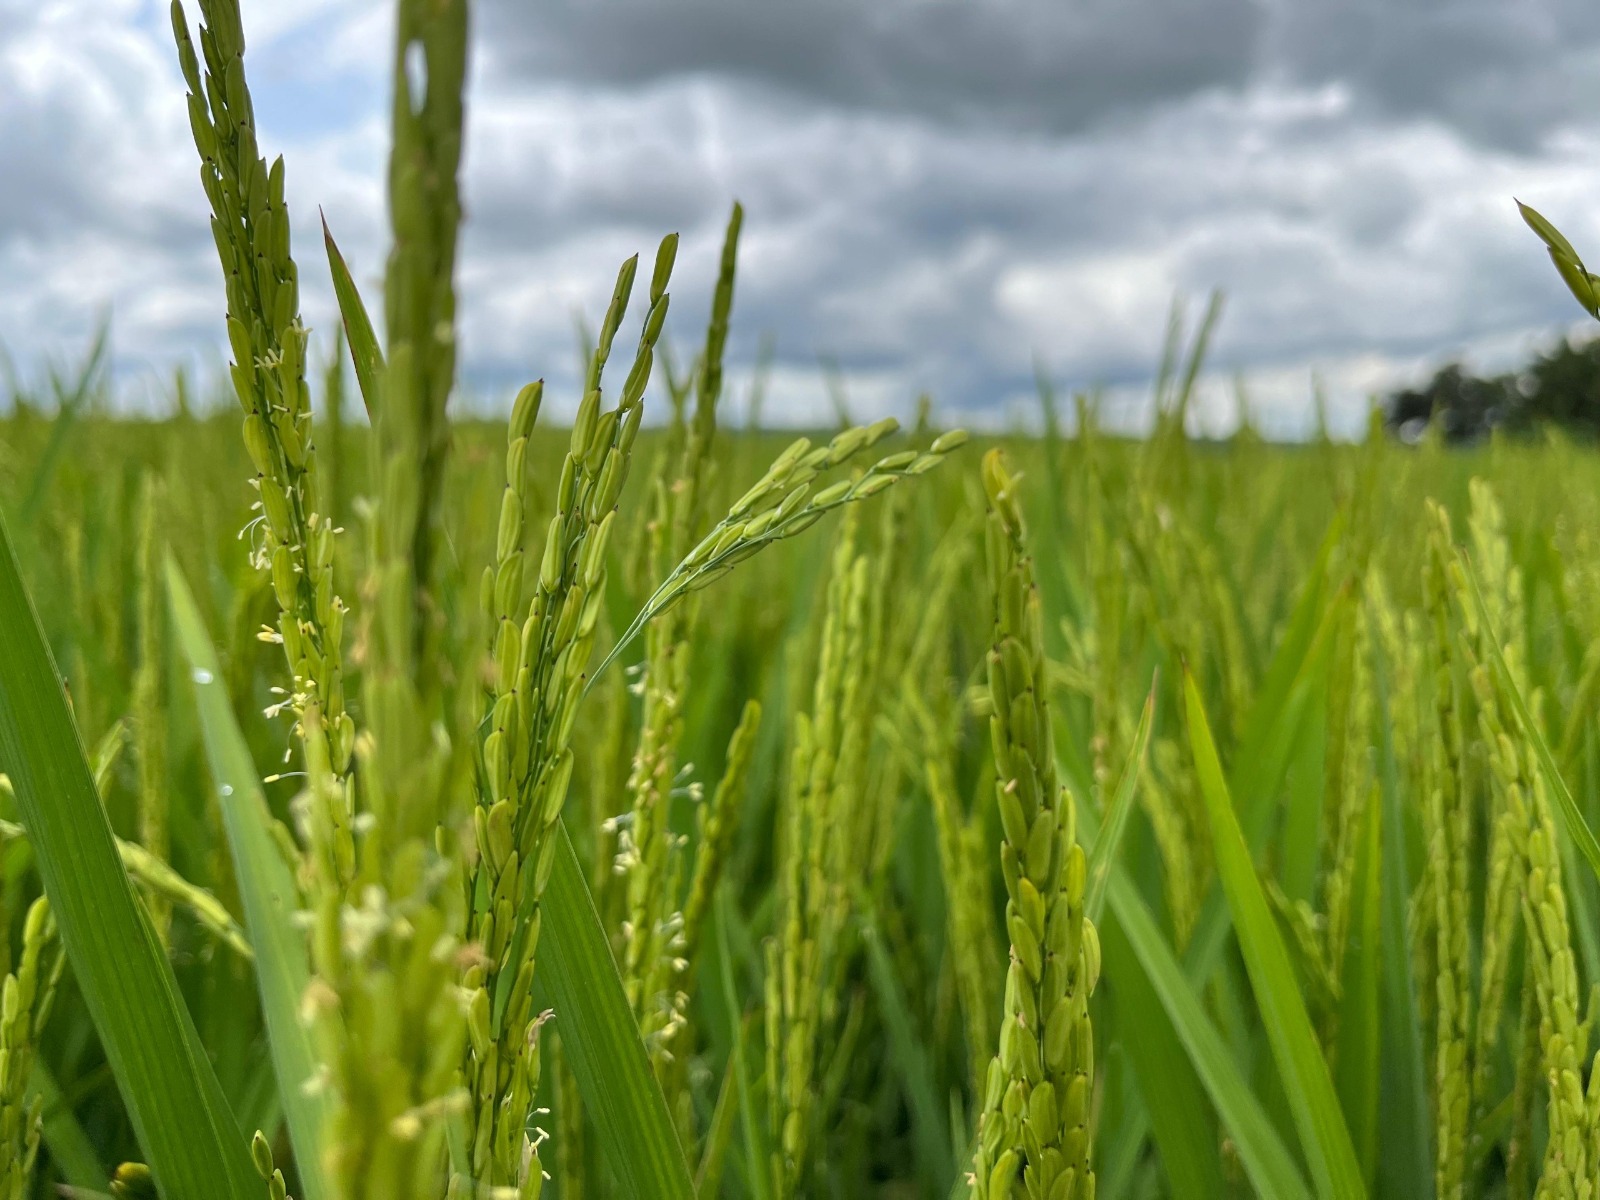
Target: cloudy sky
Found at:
x=939, y=193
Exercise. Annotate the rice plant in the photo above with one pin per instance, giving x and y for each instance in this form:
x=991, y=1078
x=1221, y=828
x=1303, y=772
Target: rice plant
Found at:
x=442, y=807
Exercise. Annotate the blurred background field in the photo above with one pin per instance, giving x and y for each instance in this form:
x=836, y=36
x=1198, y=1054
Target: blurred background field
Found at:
x=1151, y=555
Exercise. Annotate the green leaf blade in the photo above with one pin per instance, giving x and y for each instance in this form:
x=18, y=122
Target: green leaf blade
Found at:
x=266, y=890
x=929, y=1132
x=1306, y=1079
x=1267, y=1161
x=601, y=1041
x=365, y=352
x=1180, y=1115
x=189, y=1138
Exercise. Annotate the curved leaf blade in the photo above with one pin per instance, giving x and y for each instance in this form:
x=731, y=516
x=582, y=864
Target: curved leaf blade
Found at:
x=189, y=1138
x=266, y=890
x=1312, y=1099
x=601, y=1041
x=1266, y=1159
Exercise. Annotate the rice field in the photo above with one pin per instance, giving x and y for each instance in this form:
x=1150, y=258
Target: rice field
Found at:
x=400, y=806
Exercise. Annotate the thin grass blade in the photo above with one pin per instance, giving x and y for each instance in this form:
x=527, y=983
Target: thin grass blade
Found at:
x=365, y=352
x=70, y=1149
x=714, y=1156
x=1405, y=1166
x=70, y=403
x=755, y=1147
x=1360, y=1041
x=1106, y=843
x=1180, y=1115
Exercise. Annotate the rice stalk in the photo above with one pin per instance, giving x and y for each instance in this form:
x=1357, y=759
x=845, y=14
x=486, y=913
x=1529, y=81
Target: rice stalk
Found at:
x=803, y=960
x=650, y=857
x=1034, y=1132
x=26, y=995
x=1447, y=822
x=292, y=540
x=541, y=668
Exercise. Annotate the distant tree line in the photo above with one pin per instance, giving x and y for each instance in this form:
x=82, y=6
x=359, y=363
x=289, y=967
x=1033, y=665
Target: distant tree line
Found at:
x=1559, y=387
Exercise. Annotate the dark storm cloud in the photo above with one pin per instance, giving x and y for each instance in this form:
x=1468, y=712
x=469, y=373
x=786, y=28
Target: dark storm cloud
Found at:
x=1505, y=73
x=958, y=187
x=1048, y=64
x=938, y=193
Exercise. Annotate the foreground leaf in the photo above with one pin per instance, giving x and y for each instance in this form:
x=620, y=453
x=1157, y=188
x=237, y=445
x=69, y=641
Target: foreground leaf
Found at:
x=1312, y=1099
x=1267, y=1162
x=190, y=1139
x=621, y=1097
x=266, y=890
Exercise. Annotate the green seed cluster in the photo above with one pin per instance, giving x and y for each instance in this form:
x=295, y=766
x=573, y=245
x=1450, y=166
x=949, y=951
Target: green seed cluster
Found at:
x=650, y=858
x=1511, y=774
x=133, y=1181
x=261, y=1155
x=804, y=960
x=1572, y=1157
x=1524, y=878
x=781, y=504
x=250, y=225
x=541, y=665
x=1447, y=828
x=1585, y=288
x=163, y=888
x=1033, y=1139
x=25, y=999
x=429, y=70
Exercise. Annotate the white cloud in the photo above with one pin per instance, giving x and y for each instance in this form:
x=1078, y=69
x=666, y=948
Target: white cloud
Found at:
x=1361, y=230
